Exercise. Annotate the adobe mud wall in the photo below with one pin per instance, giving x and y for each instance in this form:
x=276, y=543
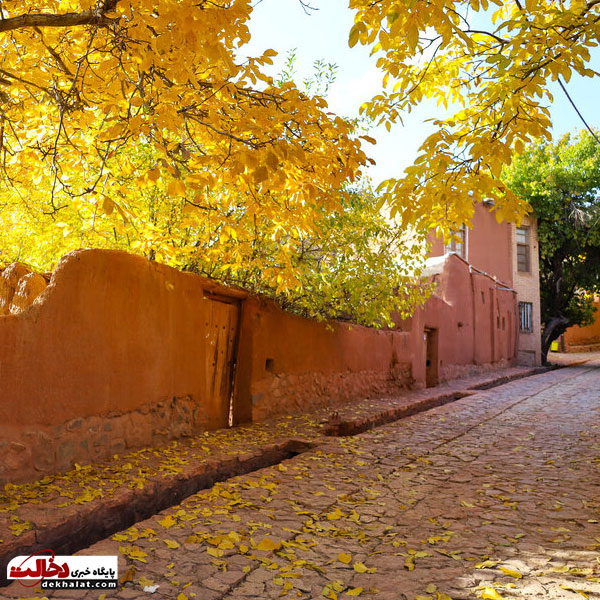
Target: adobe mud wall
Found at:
x=488, y=244
x=119, y=353
x=111, y=356
x=584, y=339
x=297, y=364
x=474, y=318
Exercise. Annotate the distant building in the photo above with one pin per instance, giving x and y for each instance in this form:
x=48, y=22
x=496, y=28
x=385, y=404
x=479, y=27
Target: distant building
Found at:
x=526, y=282
x=509, y=255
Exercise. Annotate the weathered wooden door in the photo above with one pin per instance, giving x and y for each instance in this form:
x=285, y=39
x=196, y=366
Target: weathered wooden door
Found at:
x=221, y=337
x=431, y=357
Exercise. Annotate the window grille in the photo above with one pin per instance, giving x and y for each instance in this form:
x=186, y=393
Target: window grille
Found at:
x=526, y=316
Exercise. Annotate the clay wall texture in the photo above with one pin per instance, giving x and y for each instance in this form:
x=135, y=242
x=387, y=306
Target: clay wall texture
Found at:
x=491, y=249
x=118, y=352
x=474, y=318
x=488, y=245
x=582, y=339
x=299, y=364
x=109, y=357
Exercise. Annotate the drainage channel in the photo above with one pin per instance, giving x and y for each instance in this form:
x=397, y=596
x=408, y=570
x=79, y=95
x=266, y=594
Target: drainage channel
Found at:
x=336, y=427
x=91, y=523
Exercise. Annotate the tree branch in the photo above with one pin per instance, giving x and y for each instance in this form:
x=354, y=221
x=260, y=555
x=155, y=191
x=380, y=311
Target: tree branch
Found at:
x=53, y=52
x=88, y=17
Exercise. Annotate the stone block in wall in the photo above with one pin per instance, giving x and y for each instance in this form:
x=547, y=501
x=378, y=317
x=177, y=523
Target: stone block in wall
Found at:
x=526, y=358
x=65, y=455
x=285, y=394
x=29, y=287
x=42, y=451
x=138, y=429
x=117, y=446
x=450, y=371
x=15, y=456
x=8, y=284
x=402, y=372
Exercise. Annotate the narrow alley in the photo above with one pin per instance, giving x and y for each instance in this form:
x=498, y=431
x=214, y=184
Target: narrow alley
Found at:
x=495, y=495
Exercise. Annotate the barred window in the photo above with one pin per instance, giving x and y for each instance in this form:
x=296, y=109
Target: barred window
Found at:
x=526, y=316
x=523, y=249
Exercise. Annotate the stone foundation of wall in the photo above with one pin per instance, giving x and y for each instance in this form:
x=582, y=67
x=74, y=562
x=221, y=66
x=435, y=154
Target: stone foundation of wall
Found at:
x=35, y=451
x=293, y=393
x=449, y=372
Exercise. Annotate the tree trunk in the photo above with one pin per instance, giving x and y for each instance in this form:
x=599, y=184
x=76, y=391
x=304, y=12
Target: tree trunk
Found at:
x=553, y=329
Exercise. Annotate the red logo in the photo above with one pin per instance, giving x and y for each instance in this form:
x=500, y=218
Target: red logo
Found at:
x=42, y=568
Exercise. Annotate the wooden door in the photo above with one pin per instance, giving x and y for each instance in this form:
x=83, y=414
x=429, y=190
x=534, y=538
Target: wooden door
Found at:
x=221, y=337
x=431, y=357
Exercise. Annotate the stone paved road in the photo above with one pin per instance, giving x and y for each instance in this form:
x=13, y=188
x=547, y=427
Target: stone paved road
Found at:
x=496, y=495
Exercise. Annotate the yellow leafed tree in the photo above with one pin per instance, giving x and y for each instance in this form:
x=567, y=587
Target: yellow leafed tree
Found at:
x=490, y=63
x=142, y=126
x=84, y=84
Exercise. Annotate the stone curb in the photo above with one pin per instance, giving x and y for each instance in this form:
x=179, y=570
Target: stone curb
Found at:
x=337, y=426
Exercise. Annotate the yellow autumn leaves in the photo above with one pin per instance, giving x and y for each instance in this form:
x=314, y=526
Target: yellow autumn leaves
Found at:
x=149, y=130
x=18, y=527
x=150, y=111
x=492, y=79
x=332, y=589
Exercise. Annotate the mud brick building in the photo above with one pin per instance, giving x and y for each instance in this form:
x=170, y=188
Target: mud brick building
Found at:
x=113, y=352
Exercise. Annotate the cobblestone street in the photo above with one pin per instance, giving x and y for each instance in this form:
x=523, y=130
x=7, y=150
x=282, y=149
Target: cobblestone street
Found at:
x=496, y=495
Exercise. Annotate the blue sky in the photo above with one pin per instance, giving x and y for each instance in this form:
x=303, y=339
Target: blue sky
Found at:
x=283, y=25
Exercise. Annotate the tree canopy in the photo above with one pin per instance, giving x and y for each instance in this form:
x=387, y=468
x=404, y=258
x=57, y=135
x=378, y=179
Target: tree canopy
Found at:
x=124, y=122
x=82, y=82
x=561, y=181
x=490, y=63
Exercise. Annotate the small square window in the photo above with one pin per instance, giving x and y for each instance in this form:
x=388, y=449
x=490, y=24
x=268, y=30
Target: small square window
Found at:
x=457, y=245
x=522, y=237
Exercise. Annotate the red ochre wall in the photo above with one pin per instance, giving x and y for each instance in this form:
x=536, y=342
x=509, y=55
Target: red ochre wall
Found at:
x=114, y=356
x=298, y=364
x=474, y=319
x=582, y=339
x=489, y=245
x=109, y=357
x=112, y=331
